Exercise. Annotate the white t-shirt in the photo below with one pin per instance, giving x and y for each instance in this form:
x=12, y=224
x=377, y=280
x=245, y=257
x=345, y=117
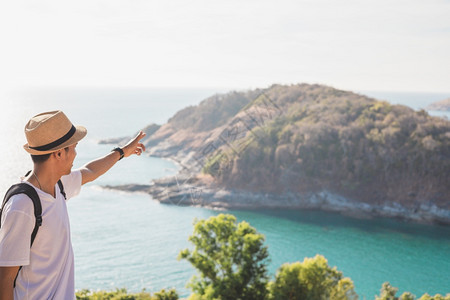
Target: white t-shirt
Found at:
x=48, y=267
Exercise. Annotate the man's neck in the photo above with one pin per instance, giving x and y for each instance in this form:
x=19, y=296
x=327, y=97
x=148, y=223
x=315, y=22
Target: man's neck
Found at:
x=44, y=178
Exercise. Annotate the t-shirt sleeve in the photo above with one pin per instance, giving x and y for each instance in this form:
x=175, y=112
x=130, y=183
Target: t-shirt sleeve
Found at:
x=72, y=183
x=17, y=224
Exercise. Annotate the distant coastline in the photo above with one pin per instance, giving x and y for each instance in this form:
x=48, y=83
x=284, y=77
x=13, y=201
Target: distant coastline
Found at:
x=443, y=105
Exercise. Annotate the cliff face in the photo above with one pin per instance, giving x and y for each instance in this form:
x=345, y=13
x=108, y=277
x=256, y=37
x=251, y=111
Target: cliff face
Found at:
x=300, y=139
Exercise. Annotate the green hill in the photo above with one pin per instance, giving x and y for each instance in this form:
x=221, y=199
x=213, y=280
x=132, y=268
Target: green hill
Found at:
x=324, y=138
x=307, y=146
x=211, y=113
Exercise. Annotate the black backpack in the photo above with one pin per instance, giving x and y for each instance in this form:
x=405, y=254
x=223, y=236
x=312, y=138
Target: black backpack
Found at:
x=23, y=188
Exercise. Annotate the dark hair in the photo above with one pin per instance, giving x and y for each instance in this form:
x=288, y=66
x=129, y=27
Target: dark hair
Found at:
x=40, y=158
x=37, y=159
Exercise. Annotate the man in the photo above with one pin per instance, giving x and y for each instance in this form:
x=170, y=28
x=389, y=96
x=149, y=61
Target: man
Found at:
x=48, y=266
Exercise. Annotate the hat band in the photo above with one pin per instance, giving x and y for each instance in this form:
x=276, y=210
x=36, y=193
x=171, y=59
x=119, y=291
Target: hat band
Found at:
x=58, y=142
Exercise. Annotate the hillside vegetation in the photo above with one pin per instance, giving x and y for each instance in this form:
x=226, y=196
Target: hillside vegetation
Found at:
x=324, y=138
x=211, y=113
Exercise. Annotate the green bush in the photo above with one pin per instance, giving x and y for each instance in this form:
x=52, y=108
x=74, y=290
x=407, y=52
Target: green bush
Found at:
x=231, y=259
x=312, y=279
x=122, y=294
x=388, y=292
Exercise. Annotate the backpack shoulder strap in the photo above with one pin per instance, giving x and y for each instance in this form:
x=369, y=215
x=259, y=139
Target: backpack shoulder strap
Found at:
x=23, y=188
x=61, y=189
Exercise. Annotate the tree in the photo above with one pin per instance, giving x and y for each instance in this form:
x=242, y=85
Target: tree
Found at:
x=231, y=259
x=407, y=296
x=435, y=297
x=312, y=279
x=122, y=294
x=388, y=292
x=165, y=295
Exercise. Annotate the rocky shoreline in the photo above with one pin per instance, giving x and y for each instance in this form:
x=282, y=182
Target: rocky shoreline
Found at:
x=188, y=190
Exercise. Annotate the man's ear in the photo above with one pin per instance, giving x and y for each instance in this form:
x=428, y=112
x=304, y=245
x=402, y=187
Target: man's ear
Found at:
x=57, y=154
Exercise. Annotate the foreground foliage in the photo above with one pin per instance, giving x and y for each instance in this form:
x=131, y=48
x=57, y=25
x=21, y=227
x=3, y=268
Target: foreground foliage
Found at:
x=388, y=292
x=232, y=263
x=122, y=294
x=311, y=279
x=231, y=259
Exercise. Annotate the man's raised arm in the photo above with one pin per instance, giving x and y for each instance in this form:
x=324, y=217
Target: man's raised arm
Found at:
x=98, y=167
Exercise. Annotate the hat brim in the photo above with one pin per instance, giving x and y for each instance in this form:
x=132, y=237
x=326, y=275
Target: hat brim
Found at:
x=79, y=134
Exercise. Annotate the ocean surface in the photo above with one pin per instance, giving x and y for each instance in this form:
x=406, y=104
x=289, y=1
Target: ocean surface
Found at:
x=125, y=240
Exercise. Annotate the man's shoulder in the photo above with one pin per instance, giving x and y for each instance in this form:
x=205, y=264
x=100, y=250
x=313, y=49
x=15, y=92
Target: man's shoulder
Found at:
x=72, y=183
x=19, y=203
x=72, y=178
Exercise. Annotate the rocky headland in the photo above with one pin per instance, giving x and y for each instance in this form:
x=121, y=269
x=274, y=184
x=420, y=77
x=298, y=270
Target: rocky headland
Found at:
x=443, y=105
x=305, y=147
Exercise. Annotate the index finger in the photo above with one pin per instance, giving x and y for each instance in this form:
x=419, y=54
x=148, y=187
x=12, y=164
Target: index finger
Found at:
x=140, y=135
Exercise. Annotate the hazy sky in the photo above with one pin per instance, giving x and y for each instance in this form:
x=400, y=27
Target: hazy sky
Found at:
x=354, y=45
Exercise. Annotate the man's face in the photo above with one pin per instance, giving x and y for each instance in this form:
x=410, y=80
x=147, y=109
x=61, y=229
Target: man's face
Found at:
x=70, y=155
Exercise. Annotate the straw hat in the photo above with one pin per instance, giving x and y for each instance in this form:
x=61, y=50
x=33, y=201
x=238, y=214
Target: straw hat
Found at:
x=51, y=131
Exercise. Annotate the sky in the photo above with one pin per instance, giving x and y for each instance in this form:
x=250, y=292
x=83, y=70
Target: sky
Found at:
x=382, y=45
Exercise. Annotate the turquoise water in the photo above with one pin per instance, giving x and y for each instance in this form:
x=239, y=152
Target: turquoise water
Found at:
x=129, y=240
x=411, y=257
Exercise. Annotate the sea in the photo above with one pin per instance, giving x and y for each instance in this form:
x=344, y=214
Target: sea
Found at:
x=128, y=240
